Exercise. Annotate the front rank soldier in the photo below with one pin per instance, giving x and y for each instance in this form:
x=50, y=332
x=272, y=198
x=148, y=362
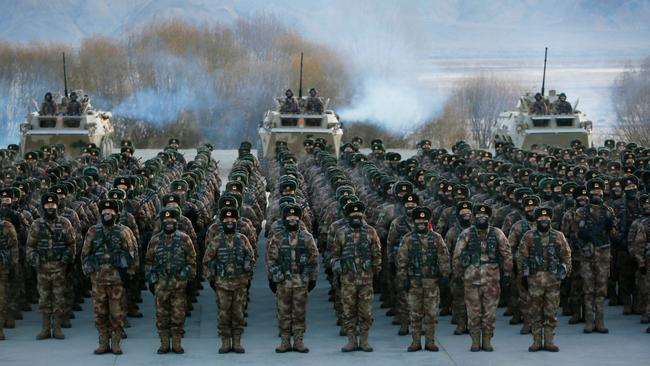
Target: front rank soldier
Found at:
x=228, y=263
x=107, y=257
x=170, y=263
x=422, y=263
x=51, y=251
x=8, y=267
x=292, y=266
x=479, y=252
x=544, y=258
x=356, y=256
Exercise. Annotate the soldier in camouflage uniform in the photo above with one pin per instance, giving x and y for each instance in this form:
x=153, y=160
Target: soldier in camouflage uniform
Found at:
x=463, y=221
x=9, y=262
x=51, y=251
x=422, y=263
x=640, y=250
x=292, y=267
x=544, y=260
x=592, y=226
x=107, y=257
x=228, y=263
x=170, y=263
x=480, y=251
x=356, y=257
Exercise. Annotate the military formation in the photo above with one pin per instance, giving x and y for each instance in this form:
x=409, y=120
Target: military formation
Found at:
x=458, y=232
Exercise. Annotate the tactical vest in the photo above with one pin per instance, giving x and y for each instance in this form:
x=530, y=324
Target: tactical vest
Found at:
x=646, y=221
x=403, y=228
x=293, y=266
x=423, y=267
x=599, y=237
x=5, y=253
x=229, y=262
x=51, y=244
x=170, y=260
x=106, y=250
x=472, y=253
x=536, y=260
x=356, y=257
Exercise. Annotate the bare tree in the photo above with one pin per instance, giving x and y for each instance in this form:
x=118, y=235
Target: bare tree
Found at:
x=631, y=99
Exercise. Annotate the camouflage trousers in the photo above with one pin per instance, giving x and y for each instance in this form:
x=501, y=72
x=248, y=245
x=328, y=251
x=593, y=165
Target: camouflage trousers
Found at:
x=51, y=287
x=399, y=300
x=595, y=273
x=231, y=305
x=336, y=290
x=170, y=306
x=292, y=304
x=15, y=293
x=576, y=294
x=109, y=313
x=423, y=303
x=481, y=302
x=626, y=270
x=356, y=303
x=132, y=287
x=523, y=300
x=544, y=292
x=644, y=287
x=4, y=293
x=458, y=310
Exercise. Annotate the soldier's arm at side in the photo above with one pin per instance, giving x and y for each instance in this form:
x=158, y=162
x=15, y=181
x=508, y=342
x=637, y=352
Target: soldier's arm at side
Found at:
x=461, y=243
x=401, y=260
x=190, y=255
x=375, y=249
x=71, y=241
x=313, y=257
x=504, y=250
x=565, y=253
x=12, y=243
x=249, y=249
x=271, y=254
x=523, y=252
x=637, y=248
x=31, y=245
x=443, y=258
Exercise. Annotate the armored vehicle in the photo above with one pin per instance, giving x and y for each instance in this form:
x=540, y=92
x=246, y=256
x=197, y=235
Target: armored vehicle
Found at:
x=75, y=132
x=294, y=128
x=524, y=129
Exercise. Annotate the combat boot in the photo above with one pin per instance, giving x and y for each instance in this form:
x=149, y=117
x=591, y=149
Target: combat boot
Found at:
x=537, y=341
x=363, y=342
x=236, y=344
x=57, y=333
x=285, y=343
x=298, y=344
x=461, y=327
x=600, y=323
x=164, y=344
x=549, y=334
x=65, y=322
x=644, y=319
x=487, y=341
x=46, y=330
x=176, y=344
x=430, y=341
x=415, y=343
x=225, y=345
x=351, y=346
x=104, y=346
x=476, y=340
x=115, y=343
x=516, y=318
x=647, y=330
x=575, y=314
x=403, y=329
x=525, y=329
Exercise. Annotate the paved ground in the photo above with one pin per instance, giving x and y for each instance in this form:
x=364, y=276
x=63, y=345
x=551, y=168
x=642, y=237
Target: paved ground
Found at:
x=627, y=342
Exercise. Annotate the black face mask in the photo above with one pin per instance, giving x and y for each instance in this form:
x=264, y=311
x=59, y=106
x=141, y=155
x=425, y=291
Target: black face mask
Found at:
x=50, y=213
x=543, y=225
x=292, y=225
x=355, y=222
x=595, y=199
x=547, y=195
x=422, y=227
x=464, y=222
x=170, y=226
x=482, y=223
x=630, y=194
x=582, y=202
x=557, y=197
x=530, y=215
x=108, y=219
x=228, y=227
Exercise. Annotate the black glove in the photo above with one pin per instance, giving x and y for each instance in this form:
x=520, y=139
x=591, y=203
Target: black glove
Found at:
x=311, y=285
x=643, y=270
x=524, y=282
x=152, y=288
x=273, y=286
x=443, y=281
x=213, y=286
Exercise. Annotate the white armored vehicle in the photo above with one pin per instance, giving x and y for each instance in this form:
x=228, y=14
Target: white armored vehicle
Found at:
x=75, y=132
x=523, y=128
x=294, y=128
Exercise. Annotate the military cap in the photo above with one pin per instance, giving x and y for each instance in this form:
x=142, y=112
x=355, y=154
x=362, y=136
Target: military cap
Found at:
x=121, y=181
x=109, y=204
x=393, y=156
x=421, y=213
x=530, y=201
x=308, y=142
x=117, y=194
x=463, y=205
x=482, y=209
x=569, y=187
x=629, y=181
x=344, y=200
x=343, y=190
x=49, y=198
x=169, y=213
x=228, y=213
x=31, y=155
x=59, y=189
x=521, y=192
x=174, y=141
x=127, y=149
x=460, y=189
x=376, y=141
x=644, y=199
x=357, y=139
x=355, y=208
x=291, y=210
x=288, y=184
x=543, y=211
x=410, y=198
x=13, y=147
x=7, y=192
x=402, y=186
x=593, y=184
x=22, y=186
x=91, y=171
x=180, y=185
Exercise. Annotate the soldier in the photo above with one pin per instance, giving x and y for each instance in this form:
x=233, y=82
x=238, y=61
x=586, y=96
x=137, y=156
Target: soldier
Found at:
x=290, y=103
x=479, y=251
x=562, y=106
x=51, y=251
x=292, y=267
x=9, y=263
x=169, y=264
x=74, y=107
x=107, y=257
x=422, y=263
x=640, y=250
x=48, y=107
x=592, y=226
x=544, y=259
x=228, y=263
x=314, y=103
x=356, y=256
x=464, y=220
x=539, y=107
